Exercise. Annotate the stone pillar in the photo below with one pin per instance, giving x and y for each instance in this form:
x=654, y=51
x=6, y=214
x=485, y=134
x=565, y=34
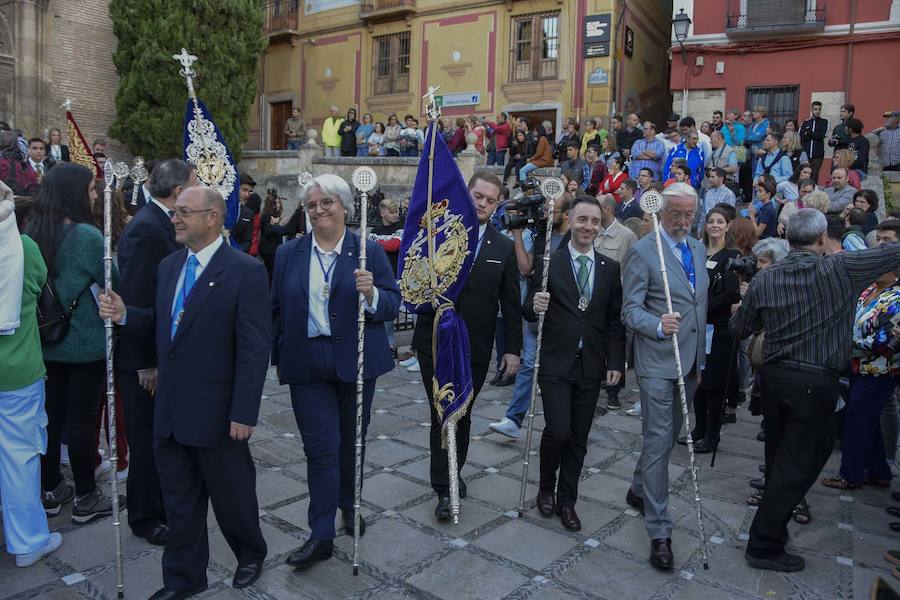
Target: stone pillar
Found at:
x=309, y=151
x=28, y=25
x=467, y=163
x=873, y=180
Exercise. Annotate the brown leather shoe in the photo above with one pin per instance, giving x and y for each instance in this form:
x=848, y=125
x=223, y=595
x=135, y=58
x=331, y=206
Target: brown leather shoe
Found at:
x=546, y=503
x=661, y=553
x=569, y=518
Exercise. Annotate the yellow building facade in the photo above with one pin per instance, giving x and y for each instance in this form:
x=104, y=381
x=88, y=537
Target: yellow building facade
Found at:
x=542, y=59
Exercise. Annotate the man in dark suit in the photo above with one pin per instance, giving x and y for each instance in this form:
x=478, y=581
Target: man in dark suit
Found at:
x=583, y=348
x=212, y=348
x=242, y=230
x=629, y=207
x=147, y=239
x=494, y=279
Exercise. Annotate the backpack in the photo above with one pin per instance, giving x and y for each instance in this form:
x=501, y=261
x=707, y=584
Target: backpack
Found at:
x=773, y=163
x=52, y=316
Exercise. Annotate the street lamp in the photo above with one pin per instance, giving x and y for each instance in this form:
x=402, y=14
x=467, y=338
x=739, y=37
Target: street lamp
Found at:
x=681, y=23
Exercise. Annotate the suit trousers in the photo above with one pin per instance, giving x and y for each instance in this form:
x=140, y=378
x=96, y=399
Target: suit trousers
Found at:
x=325, y=410
x=145, y=507
x=440, y=468
x=190, y=478
x=798, y=412
x=661, y=420
x=569, y=404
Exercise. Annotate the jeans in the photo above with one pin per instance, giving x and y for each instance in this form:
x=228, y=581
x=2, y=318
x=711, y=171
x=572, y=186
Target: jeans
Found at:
x=863, y=447
x=23, y=429
x=889, y=427
x=521, y=396
x=362, y=151
x=294, y=144
x=497, y=157
x=524, y=171
x=74, y=397
x=332, y=151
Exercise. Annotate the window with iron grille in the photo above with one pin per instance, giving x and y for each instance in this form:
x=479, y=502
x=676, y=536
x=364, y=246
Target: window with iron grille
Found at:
x=761, y=13
x=535, y=47
x=391, y=64
x=782, y=102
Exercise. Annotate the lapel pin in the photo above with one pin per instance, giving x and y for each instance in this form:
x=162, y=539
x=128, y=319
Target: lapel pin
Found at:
x=211, y=284
x=602, y=263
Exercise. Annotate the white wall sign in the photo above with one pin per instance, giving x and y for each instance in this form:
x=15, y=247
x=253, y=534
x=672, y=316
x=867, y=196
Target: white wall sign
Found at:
x=461, y=99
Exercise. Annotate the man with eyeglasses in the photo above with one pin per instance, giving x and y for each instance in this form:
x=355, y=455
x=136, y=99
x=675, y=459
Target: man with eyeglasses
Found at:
x=644, y=311
x=212, y=350
x=147, y=239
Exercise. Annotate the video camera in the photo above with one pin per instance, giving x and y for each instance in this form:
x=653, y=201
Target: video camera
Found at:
x=528, y=207
x=743, y=265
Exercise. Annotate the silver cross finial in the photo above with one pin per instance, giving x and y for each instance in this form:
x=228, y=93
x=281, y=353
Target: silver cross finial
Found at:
x=185, y=59
x=430, y=93
x=67, y=105
x=432, y=109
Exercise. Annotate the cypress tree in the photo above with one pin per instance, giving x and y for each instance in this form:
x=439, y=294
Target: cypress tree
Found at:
x=225, y=35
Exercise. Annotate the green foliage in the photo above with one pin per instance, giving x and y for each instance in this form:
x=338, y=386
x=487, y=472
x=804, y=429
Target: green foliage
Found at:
x=889, y=205
x=225, y=36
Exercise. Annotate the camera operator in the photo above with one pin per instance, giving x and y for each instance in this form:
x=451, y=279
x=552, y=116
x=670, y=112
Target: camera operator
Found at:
x=805, y=304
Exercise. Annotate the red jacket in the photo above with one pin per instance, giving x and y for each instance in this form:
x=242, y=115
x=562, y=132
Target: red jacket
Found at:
x=502, y=134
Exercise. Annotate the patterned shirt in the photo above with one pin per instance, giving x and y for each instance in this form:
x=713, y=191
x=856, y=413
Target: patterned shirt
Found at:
x=655, y=146
x=889, y=150
x=871, y=353
x=806, y=304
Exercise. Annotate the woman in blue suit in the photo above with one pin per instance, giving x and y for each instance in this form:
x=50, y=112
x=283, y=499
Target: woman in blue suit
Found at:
x=315, y=291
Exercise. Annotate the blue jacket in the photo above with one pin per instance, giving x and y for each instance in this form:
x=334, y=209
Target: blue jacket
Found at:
x=212, y=372
x=290, y=309
x=695, y=161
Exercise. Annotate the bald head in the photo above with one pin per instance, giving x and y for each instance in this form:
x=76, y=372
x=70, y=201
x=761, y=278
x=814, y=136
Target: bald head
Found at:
x=198, y=217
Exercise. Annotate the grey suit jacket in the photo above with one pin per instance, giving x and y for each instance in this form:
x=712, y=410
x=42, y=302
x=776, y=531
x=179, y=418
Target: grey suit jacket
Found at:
x=644, y=302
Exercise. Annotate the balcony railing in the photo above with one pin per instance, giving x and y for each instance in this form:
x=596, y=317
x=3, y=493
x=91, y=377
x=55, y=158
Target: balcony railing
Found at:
x=787, y=16
x=282, y=16
x=373, y=11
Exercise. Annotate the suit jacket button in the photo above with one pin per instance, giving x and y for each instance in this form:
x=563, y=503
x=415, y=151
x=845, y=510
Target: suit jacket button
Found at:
x=334, y=315
x=693, y=331
x=337, y=339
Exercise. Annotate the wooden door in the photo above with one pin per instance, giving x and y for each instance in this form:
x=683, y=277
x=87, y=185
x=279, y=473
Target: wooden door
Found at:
x=279, y=112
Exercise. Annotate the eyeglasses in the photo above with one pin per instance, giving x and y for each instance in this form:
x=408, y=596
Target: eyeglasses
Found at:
x=324, y=204
x=183, y=213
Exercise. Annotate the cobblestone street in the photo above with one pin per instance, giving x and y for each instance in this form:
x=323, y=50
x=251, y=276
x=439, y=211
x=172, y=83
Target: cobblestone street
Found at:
x=491, y=553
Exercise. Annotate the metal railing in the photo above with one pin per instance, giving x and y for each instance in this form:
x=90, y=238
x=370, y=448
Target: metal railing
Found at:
x=787, y=16
x=281, y=15
x=373, y=6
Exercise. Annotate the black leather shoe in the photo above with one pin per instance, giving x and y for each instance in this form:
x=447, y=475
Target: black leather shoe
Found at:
x=245, y=575
x=496, y=378
x=758, y=484
x=705, y=446
x=442, y=510
x=546, y=504
x=895, y=496
x=159, y=536
x=348, y=523
x=895, y=526
x=661, y=553
x=780, y=562
x=167, y=594
x=569, y=518
x=894, y=511
x=635, y=501
x=312, y=551
x=761, y=436
x=506, y=381
x=730, y=417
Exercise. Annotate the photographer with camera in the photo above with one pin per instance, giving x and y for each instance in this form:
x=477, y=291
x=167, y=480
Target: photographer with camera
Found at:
x=874, y=369
x=805, y=304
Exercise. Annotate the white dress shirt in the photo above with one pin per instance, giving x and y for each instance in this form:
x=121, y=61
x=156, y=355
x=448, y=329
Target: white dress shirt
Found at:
x=573, y=255
x=203, y=257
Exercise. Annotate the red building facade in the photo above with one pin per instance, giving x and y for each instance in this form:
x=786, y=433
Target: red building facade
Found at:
x=784, y=54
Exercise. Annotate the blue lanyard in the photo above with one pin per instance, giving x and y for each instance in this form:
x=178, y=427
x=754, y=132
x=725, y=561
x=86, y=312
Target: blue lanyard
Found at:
x=326, y=273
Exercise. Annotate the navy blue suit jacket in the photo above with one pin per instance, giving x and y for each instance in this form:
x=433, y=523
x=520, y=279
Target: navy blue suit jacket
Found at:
x=147, y=239
x=212, y=372
x=290, y=308
x=623, y=213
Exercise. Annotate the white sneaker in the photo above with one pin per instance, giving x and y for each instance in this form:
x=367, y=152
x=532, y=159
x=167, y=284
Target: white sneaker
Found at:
x=103, y=468
x=64, y=454
x=506, y=427
x=122, y=475
x=26, y=560
x=634, y=411
x=414, y=367
x=408, y=362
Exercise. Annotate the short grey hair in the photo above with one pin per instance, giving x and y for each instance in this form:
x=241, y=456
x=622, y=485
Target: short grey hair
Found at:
x=334, y=186
x=168, y=175
x=607, y=201
x=679, y=190
x=773, y=248
x=805, y=227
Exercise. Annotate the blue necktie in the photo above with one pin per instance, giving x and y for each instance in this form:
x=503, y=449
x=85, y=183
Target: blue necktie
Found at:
x=687, y=262
x=190, y=276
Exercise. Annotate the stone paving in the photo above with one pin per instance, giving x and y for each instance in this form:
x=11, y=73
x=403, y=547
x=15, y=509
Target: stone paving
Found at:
x=491, y=553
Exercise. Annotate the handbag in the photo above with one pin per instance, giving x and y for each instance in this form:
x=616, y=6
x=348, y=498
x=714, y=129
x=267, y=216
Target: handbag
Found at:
x=52, y=317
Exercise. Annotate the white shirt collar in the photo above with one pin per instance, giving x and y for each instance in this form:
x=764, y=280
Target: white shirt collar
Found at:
x=337, y=248
x=34, y=165
x=162, y=207
x=481, y=230
x=206, y=254
x=610, y=231
x=671, y=241
x=575, y=253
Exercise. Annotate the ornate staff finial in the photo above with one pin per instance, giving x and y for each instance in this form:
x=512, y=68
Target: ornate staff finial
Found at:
x=433, y=110
x=67, y=105
x=186, y=60
x=138, y=176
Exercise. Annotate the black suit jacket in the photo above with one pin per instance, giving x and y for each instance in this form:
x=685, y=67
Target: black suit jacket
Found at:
x=242, y=230
x=147, y=239
x=623, y=213
x=494, y=278
x=600, y=326
x=212, y=372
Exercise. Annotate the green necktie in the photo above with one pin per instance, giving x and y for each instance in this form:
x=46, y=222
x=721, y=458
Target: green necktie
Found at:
x=584, y=272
